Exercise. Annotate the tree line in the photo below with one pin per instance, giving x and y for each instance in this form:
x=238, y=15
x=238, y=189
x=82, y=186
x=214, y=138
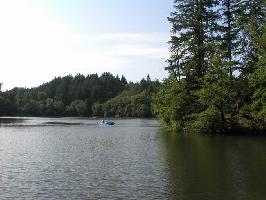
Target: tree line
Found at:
x=78, y=95
x=217, y=74
x=134, y=101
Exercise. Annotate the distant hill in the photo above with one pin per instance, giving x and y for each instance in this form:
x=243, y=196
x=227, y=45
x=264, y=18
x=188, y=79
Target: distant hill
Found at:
x=79, y=96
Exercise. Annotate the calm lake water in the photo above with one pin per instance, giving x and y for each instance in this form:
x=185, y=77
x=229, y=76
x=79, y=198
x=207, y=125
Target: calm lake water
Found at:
x=74, y=158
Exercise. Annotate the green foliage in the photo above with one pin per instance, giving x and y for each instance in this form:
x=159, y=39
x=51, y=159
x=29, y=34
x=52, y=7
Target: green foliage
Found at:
x=251, y=22
x=257, y=82
x=6, y=105
x=230, y=45
x=215, y=85
x=82, y=96
x=207, y=121
x=59, y=107
x=215, y=98
x=211, y=41
x=77, y=108
x=119, y=106
x=141, y=105
x=194, y=24
x=134, y=101
x=171, y=104
x=52, y=98
x=97, y=109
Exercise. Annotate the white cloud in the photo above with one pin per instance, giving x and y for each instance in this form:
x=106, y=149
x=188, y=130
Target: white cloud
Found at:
x=140, y=50
x=136, y=37
x=35, y=47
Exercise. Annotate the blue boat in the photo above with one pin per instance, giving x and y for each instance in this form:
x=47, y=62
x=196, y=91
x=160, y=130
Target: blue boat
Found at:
x=106, y=122
x=109, y=122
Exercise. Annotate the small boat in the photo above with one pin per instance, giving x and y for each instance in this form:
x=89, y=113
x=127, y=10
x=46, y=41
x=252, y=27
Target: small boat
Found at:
x=106, y=122
x=109, y=122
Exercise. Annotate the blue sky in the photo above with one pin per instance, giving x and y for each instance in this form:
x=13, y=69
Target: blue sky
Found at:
x=41, y=39
x=104, y=16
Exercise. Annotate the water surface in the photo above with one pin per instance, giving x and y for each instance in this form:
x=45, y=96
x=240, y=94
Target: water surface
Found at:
x=74, y=158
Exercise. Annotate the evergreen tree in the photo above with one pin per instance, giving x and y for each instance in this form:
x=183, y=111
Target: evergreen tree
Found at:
x=214, y=96
x=194, y=29
x=194, y=24
x=253, y=17
x=176, y=63
x=202, y=94
x=257, y=82
x=230, y=12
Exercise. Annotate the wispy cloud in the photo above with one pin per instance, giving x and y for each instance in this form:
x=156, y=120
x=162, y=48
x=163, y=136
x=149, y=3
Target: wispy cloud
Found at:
x=125, y=44
x=140, y=51
x=136, y=37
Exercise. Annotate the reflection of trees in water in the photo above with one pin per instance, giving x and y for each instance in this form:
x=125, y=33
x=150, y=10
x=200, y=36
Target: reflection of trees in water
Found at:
x=11, y=120
x=214, y=166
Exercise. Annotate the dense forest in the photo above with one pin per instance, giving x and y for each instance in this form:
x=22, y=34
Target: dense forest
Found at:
x=217, y=67
x=94, y=95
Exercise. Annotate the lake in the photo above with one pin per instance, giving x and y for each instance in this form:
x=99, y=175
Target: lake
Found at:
x=74, y=158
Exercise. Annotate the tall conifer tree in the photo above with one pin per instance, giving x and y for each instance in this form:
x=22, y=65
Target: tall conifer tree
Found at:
x=230, y=12
x=253, y=17
x=211, y=39
x=194, y=25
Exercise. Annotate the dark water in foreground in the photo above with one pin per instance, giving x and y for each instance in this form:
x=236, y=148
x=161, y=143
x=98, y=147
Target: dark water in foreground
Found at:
x=42, y=158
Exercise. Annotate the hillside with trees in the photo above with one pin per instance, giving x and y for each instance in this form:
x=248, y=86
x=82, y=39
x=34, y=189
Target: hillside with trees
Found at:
x=81, y=96
x=134, y=101
x=217, y=68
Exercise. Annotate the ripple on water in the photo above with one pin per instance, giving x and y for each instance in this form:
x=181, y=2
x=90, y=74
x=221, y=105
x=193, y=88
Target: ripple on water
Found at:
x=74, y=158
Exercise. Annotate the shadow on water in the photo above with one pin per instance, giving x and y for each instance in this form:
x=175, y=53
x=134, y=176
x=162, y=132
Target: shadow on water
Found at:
x=11, y=120
x=37, y=122
x=62, y=123
x=214, y=166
